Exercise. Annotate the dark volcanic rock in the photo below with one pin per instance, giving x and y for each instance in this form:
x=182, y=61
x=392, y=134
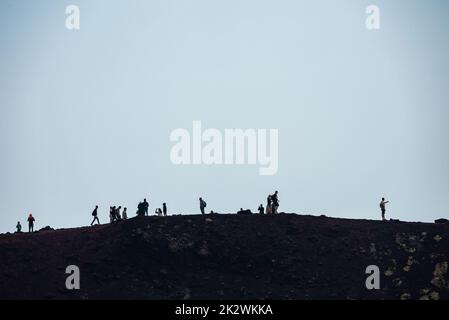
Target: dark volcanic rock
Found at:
x=230, y=257
x=47, y=228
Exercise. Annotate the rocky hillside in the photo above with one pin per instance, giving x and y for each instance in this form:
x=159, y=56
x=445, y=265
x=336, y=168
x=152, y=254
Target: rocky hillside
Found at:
x=286, y=256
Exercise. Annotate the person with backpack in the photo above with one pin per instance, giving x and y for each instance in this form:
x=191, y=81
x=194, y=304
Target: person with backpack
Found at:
x=203, y=205
x=95, y=215
x=382, y=207
x=275, y=202
x=31, y=223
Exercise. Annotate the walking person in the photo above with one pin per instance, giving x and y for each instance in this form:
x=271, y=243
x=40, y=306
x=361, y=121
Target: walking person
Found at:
x=382, y=208
x=31, y=223
x=95, y=215
x=203, y=205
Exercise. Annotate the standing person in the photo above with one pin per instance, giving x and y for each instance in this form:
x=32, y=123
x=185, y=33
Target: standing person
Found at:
x=146, y=205
x=139, y=211
x=19, y=227
x=268, y=208
x=111, y=214
x=164, y=209
x=261, y=209
x=203, y=205
x=382, y=208
x=124, y=214
x=31, y=223
x=275, y=202
x=117, y=213
x=114, y=214
x=95, y=215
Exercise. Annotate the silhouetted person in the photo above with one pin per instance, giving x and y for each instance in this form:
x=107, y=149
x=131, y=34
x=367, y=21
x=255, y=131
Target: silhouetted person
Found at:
x=95, y=215
x=31, y=223
x=268, y=208
x=19, y=227
x=124, y=214
x=164, y=209
x=146, y=205
x=275, y=202
x=261, y=209
x=117, y=213
x=111, y=214
x=203, y=205
x=139, y=209
x=382, y=208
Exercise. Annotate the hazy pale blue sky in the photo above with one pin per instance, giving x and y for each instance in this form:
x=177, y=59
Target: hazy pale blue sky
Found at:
x=85, y=116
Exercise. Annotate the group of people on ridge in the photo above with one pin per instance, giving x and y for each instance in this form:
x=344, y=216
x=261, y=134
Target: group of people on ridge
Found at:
x=115, y=213
x=30, y=224
x=142, y=208
x=272, y=203
x=162, y=211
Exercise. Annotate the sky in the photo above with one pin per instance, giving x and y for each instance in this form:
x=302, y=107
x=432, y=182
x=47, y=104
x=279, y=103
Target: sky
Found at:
x=86, y=115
